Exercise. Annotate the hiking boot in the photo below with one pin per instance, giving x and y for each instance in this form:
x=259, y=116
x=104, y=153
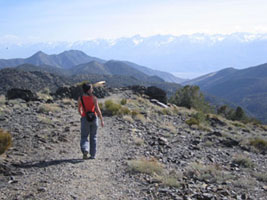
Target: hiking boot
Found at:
x=85, y=155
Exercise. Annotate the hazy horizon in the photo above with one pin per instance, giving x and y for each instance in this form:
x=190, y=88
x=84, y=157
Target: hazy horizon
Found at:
x=45, y=25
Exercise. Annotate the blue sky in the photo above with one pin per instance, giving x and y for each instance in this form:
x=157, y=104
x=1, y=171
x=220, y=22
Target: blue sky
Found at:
x=72, y=20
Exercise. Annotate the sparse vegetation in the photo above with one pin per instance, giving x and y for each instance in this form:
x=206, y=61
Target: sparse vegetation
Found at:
x=46, y=108
x=259, y=143
x=245, y=182
x=67, y=101
x=208, y=173
x=151, y=166
x=169, y=180
x=2, y=100
x=5, y=141
x=45, y=120
x=261, y=176
x=128, y=118
x=243, y=161
x=196, y=119
x=138, y=141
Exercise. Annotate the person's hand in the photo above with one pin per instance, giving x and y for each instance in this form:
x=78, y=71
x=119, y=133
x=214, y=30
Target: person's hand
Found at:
x=102, y=123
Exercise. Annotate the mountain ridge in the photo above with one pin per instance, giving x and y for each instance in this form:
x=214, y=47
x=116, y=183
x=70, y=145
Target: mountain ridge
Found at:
x=72, y=58
x=245, y=87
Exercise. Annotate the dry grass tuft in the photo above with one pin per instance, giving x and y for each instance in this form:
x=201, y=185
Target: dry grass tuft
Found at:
x=128, y=118
x=150, y=166
x=141, y=118
x=69, y=102
x=45, y=120
x=46, y=108
x=44, y=96
x=243, y=161
x=259, y=143
x=207, y=173
x=261, y=176
x=138, y=141
x=5, y=141
x=2, y=100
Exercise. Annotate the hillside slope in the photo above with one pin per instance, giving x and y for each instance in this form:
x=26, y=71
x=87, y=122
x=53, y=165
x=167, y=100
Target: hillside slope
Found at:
x=246, y=87
x=152, y=155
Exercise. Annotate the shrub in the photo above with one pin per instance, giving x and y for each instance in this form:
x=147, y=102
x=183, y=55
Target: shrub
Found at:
x=140, y=117
x=46, y=108
x=124, y=111
x=208, y=173
x=128, y=118
x=169, y=181
x=5, y=141
x=123, y=101
x=259, y=143
x=151, y=166
x=190, y=97
x=196, y=119
x=112, y=108
x=67, y=101
x=261, y=176
x=135, y=112
x=243, y=161
x=45, y=120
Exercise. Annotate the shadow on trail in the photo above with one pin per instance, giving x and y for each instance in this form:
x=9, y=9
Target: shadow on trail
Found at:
x=43, y=163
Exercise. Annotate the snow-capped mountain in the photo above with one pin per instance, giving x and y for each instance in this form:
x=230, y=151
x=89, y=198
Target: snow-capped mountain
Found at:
x=187, y=54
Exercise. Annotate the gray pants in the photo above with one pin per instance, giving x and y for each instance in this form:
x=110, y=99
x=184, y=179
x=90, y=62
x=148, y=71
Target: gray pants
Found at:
x=88, y=128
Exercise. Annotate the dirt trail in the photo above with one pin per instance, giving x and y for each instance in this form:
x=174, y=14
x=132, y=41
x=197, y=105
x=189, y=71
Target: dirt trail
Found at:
x=56, y=171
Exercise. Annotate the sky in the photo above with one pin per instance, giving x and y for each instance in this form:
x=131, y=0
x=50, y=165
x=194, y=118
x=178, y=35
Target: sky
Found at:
x=30, y=21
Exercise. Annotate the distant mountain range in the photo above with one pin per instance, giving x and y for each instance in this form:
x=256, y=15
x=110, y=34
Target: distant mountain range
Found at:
x=77, y=62
x=191, y=55
x=67, y=68
x=246, y=87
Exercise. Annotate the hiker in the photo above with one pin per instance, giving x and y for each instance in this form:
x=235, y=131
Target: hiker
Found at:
x=89, y=110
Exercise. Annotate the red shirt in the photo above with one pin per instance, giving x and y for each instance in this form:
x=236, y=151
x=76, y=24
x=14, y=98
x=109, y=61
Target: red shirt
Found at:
x=88, y=104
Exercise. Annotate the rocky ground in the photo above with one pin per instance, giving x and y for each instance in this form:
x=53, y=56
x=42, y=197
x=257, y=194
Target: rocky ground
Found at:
x=153, y=154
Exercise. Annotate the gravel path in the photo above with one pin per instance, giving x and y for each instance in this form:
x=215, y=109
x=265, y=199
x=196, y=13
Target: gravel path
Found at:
x=49, y=165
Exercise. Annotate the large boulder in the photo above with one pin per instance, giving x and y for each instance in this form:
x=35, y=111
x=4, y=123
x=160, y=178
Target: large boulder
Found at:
x=156, y=93
x=16, y=93
x=138, y=89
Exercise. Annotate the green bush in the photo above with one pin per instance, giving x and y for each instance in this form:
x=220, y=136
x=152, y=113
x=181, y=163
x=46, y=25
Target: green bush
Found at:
x=192, y=121
x=112, y=108
x=190, y=97
x=123, y=101
x=196, y=119
x=5, y=141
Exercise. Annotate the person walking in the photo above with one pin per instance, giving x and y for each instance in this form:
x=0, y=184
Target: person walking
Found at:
x=90, y=112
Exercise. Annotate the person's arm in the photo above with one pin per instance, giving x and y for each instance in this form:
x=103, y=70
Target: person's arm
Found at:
x=80, y=110
x=98, y=111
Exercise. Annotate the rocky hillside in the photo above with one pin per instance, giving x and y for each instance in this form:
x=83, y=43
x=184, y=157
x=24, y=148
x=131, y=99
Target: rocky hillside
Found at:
x=144, y=152
x=33, y=80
